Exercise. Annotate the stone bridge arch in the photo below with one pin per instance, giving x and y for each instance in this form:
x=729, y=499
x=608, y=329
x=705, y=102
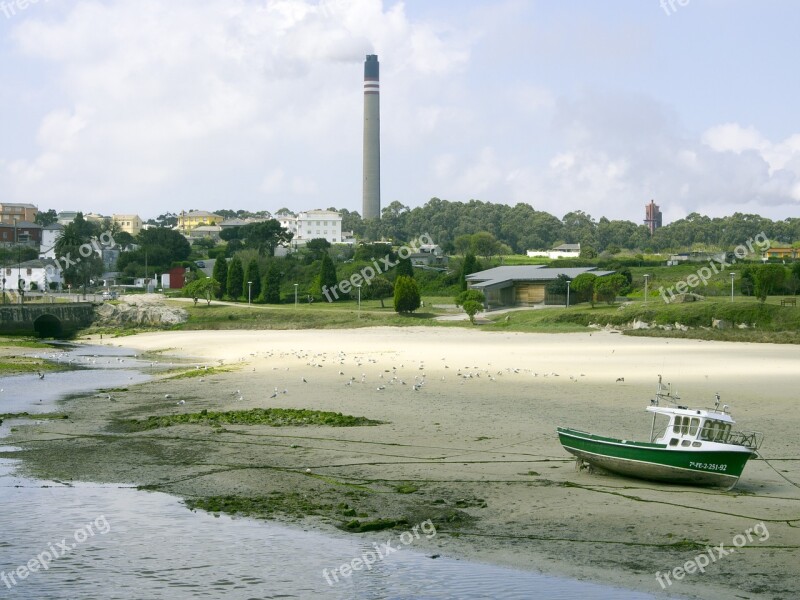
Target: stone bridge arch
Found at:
x=48, y=326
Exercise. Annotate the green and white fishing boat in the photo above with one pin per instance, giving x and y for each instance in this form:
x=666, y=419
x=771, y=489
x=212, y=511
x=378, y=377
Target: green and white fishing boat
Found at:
x=696, y=446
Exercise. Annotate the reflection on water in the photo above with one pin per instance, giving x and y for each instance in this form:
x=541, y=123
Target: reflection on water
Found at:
x=156, y=548
x=95, y=367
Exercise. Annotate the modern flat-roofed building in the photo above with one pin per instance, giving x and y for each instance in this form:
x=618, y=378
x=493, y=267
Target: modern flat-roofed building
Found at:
x=10, y=212
x=522, y=285
x=313, y=224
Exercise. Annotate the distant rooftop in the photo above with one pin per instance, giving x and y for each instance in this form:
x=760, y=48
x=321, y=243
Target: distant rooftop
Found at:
x=500, y=277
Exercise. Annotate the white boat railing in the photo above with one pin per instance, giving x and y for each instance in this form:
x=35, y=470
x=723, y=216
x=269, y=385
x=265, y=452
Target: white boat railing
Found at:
x=748, y=439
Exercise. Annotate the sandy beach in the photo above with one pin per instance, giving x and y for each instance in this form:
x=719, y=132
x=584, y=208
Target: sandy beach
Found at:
x=476, y=443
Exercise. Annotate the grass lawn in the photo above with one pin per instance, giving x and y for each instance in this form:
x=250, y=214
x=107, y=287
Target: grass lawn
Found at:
x=338, y=315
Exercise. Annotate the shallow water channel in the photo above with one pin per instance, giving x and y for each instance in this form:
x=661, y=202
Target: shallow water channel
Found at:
x=113, y=542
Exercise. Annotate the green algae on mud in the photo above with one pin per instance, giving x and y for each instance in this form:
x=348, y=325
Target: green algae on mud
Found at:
x=273, y=417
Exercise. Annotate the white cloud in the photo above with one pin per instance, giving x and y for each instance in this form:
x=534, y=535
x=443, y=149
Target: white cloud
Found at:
x=257, y=104
x=197, y=99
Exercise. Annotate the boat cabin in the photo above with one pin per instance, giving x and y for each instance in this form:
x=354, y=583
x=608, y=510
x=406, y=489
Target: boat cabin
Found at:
x=689, y=428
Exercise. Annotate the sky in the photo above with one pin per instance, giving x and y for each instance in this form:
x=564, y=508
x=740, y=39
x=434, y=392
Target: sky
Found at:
x=148, y=106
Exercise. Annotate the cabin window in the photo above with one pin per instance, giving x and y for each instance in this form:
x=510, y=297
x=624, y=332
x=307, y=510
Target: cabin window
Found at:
x=693, y=425
x=673, y=442
x=681, y=425
x=696, y=444
x=686, y=443
x=715, y=431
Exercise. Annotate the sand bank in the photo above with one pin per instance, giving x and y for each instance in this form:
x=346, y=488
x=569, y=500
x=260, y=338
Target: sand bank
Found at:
x=476, y=441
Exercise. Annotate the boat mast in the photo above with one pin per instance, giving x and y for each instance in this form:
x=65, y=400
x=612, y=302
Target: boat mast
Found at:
x=655, y=403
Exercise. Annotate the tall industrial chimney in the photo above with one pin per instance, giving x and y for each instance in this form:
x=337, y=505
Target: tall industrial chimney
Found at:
x=372, y=139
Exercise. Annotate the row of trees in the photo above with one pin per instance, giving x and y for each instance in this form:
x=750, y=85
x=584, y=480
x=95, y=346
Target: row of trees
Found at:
x=522, y=228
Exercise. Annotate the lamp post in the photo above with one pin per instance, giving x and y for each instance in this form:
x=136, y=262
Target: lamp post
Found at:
x=249, y=292
x=359, y=300
x=295, y=295
x=646, y=278
x=733, y=275
x=569, y=281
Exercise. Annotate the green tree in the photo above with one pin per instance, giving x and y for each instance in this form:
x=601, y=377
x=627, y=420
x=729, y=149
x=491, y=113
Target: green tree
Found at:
x=468, y=267
x=470, y=295
x=583, y=287
x=379, y=288
x=235, y=278
x=406, y=295
x=206, y=288
x=405, y=268
x=327, y=276
x=558, y=287
x=265, y=236
x=252, y=275
x=607, y=288
x=220, y=274
x=317, y=246
x=472, y=308
x=768, y=279
x=46, y=218
x=747, y=283
x=272, y=284
x=165, y=246
x=77, y=256
x=485, y=244
x=588, y=252
x=472, y=301
x=463, y=244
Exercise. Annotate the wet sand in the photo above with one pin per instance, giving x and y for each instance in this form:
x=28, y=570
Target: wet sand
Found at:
x=476, y=444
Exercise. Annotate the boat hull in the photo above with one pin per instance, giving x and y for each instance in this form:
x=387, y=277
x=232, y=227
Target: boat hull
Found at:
x=657, y=462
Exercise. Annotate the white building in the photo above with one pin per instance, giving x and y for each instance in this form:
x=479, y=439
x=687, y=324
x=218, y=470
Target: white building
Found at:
x=40, y=274
x=50, y=235
x=562, y=251
x=313, y=224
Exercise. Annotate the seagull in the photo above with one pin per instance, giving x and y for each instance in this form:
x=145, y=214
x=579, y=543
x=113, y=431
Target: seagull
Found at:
x=41, y=375
x=167, y=395
x=274, y=395
x=304, y=380
x=181, y=402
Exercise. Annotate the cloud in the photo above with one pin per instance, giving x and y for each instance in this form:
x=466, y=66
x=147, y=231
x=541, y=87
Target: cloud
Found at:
x=186, y=102
x=610, y=153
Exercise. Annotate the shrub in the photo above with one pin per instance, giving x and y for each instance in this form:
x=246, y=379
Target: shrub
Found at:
x=406, y=295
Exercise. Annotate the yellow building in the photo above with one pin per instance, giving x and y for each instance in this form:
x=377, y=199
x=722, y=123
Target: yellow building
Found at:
x=128, y=223
x=196, y=218
x=783, y=252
